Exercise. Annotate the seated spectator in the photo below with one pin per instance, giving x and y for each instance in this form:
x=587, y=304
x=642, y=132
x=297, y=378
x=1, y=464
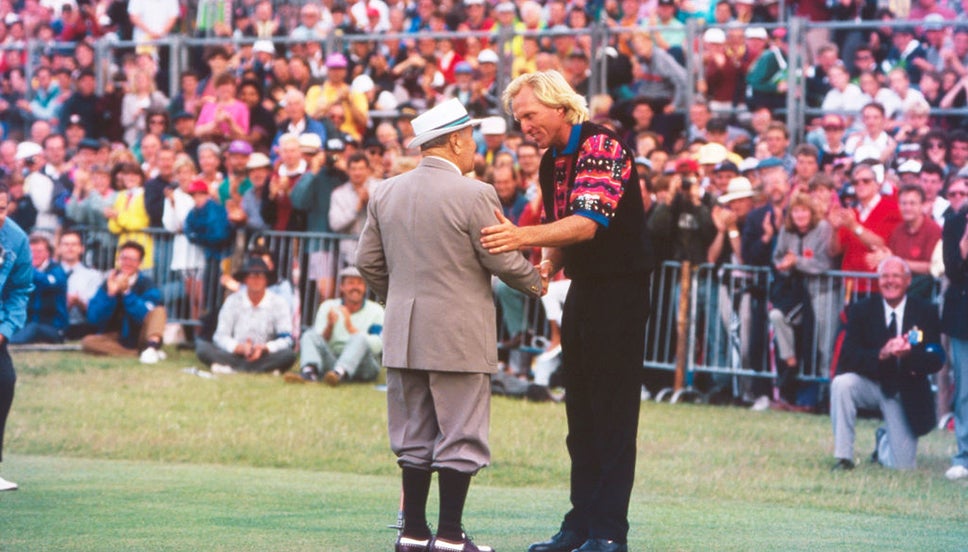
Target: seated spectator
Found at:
x=890, y=349
x=82, y=283
x=47, y=308
x=127, y=311
x=254, y=331
x=344, y=343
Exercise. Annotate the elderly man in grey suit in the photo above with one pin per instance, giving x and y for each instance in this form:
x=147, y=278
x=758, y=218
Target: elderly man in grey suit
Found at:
x=420, y=251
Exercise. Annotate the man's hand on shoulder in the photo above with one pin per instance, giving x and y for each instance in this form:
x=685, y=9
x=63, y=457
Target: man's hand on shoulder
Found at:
x=503, y=236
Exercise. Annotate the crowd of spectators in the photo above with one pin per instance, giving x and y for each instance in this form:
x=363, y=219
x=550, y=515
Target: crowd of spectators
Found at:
x=268, y=129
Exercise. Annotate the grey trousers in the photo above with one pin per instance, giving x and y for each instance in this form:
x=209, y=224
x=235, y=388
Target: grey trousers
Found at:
x=848, y=392
x=356, y=360
x=209, y=354
x=439, y=420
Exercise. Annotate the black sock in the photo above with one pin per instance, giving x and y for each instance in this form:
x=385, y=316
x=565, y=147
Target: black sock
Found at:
x=154, y=343
x=416, y=487
x=453, y=493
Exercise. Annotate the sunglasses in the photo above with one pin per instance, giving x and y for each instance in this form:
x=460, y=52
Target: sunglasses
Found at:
x=833, y=128
x=957, y=194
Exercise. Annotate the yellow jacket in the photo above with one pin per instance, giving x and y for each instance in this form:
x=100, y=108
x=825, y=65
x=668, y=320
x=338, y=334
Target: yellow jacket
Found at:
x=131, y=217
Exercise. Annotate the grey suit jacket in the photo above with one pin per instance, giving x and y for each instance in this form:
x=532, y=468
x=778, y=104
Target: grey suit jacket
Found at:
x=420, y=251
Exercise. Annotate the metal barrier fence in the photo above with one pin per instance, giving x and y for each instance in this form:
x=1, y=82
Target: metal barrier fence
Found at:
x=730, y=334
x=309, y=262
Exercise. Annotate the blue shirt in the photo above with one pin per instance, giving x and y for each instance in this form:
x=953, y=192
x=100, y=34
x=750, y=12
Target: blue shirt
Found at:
x=16, y=278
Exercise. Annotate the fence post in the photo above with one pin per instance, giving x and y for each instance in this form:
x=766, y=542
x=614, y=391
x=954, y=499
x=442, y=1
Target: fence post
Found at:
x=796, y=83
x=682, y=324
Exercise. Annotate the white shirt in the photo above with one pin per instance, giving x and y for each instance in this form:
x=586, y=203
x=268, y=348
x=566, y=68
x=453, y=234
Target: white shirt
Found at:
x=898, y=314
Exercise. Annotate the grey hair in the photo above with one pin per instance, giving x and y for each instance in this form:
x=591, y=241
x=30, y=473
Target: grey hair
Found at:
x=893, y=258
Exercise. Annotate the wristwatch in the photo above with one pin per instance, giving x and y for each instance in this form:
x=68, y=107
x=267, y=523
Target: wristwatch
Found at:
x=858, y=230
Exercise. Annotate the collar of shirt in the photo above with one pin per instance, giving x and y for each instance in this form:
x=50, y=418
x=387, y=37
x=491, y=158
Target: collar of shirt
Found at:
x=899, y=314
x=297, y=128
x=572, y=145
x=286, y=171
x=449, y=162
x=864, y=211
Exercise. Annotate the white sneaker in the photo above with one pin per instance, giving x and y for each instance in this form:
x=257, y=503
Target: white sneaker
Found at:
x=760, y=404
x=151, y=356
x=956, y=472
x=7, y=485
x=222, y=369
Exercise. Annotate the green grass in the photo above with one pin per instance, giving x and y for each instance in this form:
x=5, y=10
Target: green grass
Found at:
x=112, y=455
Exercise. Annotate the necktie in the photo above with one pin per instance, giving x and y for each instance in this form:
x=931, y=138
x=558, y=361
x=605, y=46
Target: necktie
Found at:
x=889, y=383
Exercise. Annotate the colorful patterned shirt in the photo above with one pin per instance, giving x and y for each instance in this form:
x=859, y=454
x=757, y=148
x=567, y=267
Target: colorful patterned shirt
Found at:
x=600, y=171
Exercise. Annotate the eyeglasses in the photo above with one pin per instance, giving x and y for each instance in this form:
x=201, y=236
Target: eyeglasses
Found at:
x=957, y=194
x=936, y=145
x=864, y=181
x=129, y=258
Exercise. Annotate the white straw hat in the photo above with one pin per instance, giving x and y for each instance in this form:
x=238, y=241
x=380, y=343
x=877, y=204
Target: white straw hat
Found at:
x=444, y=118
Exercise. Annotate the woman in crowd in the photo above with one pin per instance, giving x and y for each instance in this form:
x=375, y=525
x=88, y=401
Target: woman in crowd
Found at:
x=188, y=259
x=128, y=216
x=226, y=118
x=801, y=298
x=136, y=104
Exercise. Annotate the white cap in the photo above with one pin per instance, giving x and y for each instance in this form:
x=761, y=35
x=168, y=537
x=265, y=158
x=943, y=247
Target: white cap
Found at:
x=714, y=36
x=362, y=84
x=909, y=166
x=756, y=32
x=487, y=56
x=264, y=46
x=494, y=125
x=748, y=164
x=26, y=150
x=866, y=152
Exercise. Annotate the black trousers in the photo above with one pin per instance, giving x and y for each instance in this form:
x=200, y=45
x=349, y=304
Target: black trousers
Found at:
x=603, y=345
x=8, y=378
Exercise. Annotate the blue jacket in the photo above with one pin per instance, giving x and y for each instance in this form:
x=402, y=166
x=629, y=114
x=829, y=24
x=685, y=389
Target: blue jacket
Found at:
x=16, y=278
x=48, y=302
x=125, y=313
x=209, y=228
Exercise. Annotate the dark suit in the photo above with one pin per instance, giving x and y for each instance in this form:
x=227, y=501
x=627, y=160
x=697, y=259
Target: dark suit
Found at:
x=902, y=387
x=955, y=324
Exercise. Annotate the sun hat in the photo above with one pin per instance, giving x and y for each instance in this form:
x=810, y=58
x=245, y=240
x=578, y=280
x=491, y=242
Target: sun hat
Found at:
x=444, y=118
x=712, y=154
x=310, y=142
x=738, y=188
x=257, y=160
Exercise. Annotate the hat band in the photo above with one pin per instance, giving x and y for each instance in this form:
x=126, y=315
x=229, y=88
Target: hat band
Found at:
x=462, y=120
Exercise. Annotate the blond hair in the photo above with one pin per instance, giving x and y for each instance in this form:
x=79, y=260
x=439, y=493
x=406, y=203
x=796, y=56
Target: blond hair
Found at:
x=551, y=90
